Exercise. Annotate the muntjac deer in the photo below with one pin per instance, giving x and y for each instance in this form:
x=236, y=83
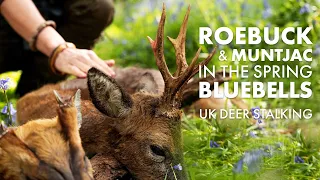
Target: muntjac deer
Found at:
x=46, y=148
x=139, y=124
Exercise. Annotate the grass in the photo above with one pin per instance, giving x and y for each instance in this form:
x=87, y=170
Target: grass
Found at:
x=205, y=162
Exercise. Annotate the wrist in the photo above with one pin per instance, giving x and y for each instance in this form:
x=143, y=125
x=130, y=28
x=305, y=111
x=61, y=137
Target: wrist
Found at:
x=55, y=53
x=48, y=40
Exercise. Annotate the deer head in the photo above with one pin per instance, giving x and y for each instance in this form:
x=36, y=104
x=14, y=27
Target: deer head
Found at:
x=46, y=149
x=147, y=127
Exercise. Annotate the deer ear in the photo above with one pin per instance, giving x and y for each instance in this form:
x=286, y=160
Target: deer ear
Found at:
x=74, y=101
x=107, y=96
x=147, y=83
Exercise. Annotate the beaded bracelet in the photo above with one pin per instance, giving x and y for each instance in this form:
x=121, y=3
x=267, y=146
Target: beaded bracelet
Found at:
x=41, y=27
x=55, y=53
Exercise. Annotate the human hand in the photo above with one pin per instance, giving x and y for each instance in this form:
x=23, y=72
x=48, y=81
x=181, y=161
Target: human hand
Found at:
x=77, y=62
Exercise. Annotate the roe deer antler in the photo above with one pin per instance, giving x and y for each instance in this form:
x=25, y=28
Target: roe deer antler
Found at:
x=174, y=84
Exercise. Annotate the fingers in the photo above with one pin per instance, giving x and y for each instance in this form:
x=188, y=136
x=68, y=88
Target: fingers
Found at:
x=101, y=65
x=83, y=66
x=110, y=62
x=77, y=62
x=77, y=72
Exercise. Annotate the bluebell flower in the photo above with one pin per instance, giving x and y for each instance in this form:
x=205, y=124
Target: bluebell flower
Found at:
x=181, y=4
x=222, y=4
x=266, y=4
x=279, y=145
x=214, y=144
x=4, y=84
x=298, y=159
x=268, y=151
x=256, y=114
x=253, y=110
x=267, y=12
x=253, y=159
x=124, y=42
x=178, y=167
x=316, y=51
x=244, y=7
x=14, y=119
x=260, y=128
x=252, y=134
x=259, y=120
x=305, y=9
x=238, y=168
x=5, y=110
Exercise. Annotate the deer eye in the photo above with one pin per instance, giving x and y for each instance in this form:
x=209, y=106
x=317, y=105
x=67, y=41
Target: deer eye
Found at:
x=157, y=150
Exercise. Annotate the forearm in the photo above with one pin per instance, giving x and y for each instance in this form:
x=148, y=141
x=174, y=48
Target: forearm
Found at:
x=24, y=18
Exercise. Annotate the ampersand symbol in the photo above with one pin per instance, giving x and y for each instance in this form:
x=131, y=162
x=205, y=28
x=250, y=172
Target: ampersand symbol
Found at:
x=222, y=56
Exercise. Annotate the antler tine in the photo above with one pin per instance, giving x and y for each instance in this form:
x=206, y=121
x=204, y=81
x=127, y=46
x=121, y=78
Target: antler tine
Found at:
x=187, y=74
x=193, y=69
x=179, y=46
x=174, y=84
x=205, y=62
x=158, y=48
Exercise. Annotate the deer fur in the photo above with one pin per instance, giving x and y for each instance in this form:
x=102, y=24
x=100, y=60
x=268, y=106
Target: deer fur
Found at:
x=134, y=119
x=46, y=148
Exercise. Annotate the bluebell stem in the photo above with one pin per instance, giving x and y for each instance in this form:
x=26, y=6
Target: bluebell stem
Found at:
x=314, y=22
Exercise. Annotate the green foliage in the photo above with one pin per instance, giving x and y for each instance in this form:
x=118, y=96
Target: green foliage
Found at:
x=205, y=162
x=125, y=40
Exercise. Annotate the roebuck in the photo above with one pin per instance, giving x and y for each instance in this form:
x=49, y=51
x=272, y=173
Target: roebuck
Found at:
x=139, y=125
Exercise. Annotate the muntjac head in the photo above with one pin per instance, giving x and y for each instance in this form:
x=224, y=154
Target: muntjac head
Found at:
x=46, y=148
